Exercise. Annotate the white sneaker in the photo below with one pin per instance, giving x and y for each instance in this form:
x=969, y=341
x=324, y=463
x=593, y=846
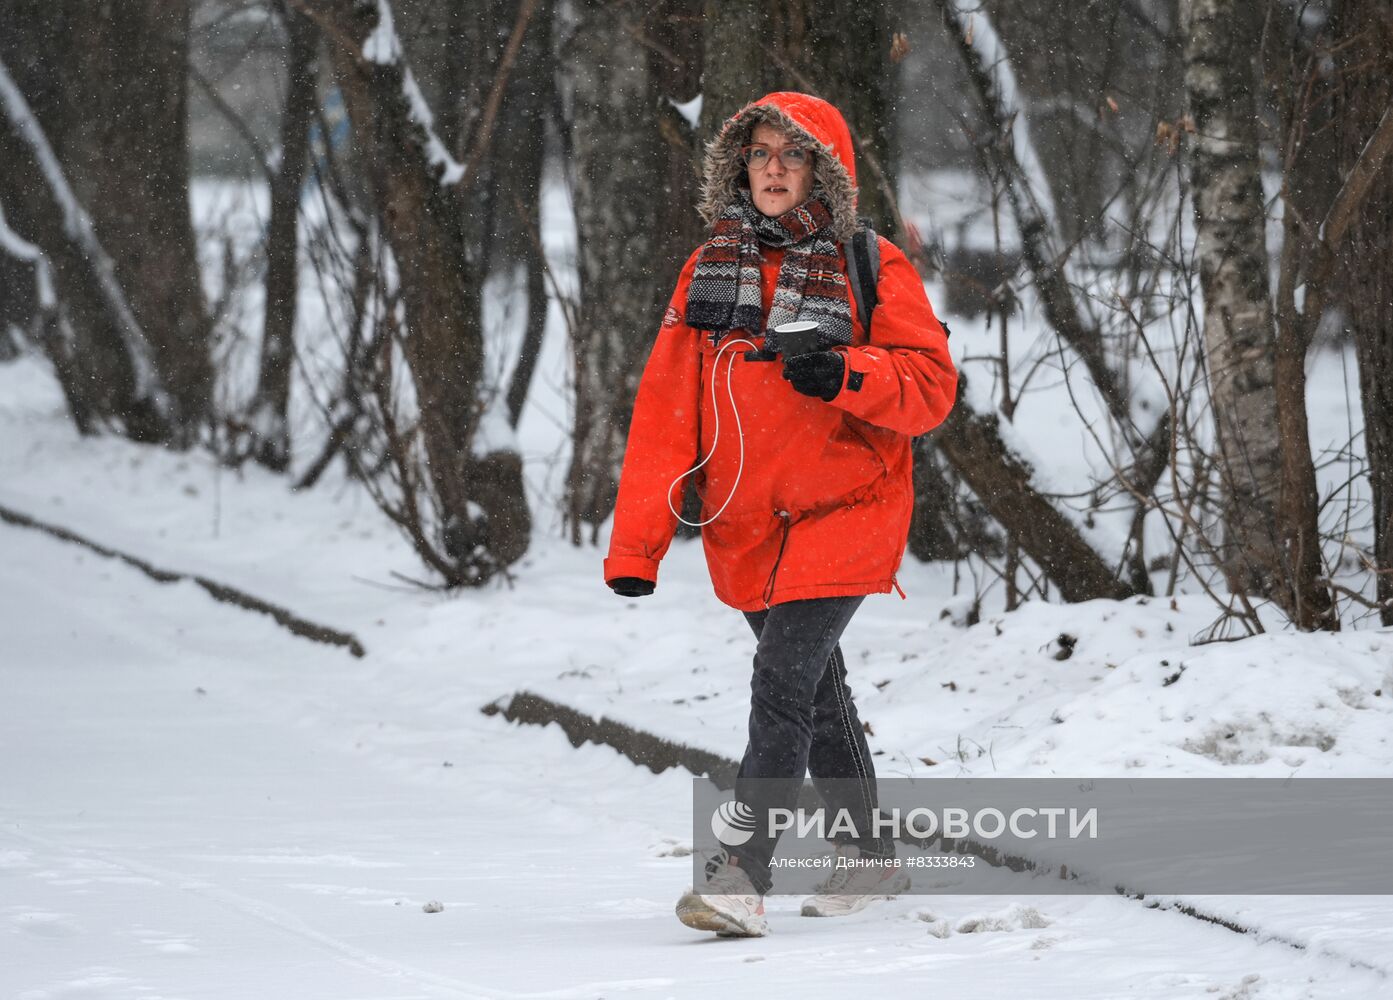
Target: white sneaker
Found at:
x=728, y=904
x=852, y=888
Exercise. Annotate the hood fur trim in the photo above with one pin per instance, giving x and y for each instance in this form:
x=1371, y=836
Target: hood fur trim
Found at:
x=724, y=173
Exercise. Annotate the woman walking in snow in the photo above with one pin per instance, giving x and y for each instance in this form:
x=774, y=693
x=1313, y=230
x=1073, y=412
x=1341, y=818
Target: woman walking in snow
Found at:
x=805, y=467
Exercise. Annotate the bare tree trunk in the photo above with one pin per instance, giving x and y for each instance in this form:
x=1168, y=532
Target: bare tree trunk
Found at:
x=935, y=502
x=1308, y=192
x=616, y=147
x=502, y=215
x=520, y=152
x=130, y=163
x=736, y=70
x=96, y=367
x=475, y=473
x=55, y=210
x=30, y=310
x=843, y=48
x=1238, y=324
x=269, y=418
x=675, y=60
x=838, y=50
x=1365, y=89
x=107, y=86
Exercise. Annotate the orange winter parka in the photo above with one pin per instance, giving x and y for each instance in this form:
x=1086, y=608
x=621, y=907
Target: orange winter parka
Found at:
x=817, y=502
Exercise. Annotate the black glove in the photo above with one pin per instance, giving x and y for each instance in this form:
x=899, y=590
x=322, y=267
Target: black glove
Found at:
x=816, y=374
x=631, y=586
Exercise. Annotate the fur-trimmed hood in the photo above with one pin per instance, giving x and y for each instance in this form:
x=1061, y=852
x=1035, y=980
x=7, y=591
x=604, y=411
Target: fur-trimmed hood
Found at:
x=806, y=119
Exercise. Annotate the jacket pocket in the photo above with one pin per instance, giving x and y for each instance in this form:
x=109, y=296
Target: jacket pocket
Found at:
x=827, y=465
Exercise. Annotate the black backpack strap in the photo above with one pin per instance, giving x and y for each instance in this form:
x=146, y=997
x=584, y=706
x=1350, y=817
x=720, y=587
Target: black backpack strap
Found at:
x=863, y=271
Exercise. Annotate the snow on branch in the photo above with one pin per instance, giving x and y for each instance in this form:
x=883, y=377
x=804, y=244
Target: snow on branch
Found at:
x=384, y=48
x=984, y=47
x=77, y=224
x=21, y=249
x=1028, y=192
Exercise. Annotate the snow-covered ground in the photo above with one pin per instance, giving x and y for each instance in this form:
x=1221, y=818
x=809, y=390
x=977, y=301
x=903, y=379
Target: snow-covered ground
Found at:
x=195, y=803
x=198, y=804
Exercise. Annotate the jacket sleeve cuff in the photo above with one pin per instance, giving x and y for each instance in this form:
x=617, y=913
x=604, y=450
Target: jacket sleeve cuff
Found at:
x=618, y=567
x=852, y=377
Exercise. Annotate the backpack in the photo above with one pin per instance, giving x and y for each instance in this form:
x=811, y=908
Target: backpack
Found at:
x=863, y=270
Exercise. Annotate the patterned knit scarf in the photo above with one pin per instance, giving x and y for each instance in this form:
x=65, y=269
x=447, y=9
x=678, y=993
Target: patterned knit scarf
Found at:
x=725, y=292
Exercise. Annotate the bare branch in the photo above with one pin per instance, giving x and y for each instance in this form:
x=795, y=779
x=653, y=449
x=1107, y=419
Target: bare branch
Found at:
x=500, y=79
x=1357, y=184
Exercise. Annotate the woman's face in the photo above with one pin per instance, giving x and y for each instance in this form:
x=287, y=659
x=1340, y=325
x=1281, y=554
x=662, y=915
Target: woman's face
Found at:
x=774, y=188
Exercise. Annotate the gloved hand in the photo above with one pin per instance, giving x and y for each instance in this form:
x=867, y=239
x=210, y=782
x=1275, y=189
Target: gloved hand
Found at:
x=631, y=586
x=816, y=374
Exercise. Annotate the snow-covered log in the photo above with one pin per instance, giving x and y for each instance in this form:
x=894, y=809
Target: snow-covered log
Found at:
x=1005, y=482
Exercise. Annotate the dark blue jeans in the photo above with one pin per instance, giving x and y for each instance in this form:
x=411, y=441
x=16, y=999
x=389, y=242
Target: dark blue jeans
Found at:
x=802, y=720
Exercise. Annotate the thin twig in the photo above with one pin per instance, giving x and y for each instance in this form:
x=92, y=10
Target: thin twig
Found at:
x=484, y=133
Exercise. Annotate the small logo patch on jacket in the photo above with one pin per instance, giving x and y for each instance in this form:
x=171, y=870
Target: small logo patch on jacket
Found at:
x=672, y=317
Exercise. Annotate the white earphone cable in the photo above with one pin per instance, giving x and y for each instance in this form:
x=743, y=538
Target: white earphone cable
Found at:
x=716, y=437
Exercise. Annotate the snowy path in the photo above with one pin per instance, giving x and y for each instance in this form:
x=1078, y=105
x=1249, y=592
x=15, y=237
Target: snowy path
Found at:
x=190, y=806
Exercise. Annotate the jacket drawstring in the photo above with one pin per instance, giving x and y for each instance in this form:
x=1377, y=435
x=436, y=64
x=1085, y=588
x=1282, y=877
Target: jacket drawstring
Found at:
x=783, y=540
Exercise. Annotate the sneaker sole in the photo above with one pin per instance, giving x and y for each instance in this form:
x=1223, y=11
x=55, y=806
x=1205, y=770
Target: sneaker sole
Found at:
x=693, y=911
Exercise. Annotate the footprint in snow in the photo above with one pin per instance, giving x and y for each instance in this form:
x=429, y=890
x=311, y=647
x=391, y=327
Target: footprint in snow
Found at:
x=671, y=847
x=1014, y=918
x=1246, y=989
x=41, y=923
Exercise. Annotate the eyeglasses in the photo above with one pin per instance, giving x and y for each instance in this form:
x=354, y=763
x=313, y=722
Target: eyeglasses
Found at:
x=758, y=158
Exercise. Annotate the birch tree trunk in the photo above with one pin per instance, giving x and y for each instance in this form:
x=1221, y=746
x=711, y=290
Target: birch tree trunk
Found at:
x=617, y=147
x=1239, y=338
